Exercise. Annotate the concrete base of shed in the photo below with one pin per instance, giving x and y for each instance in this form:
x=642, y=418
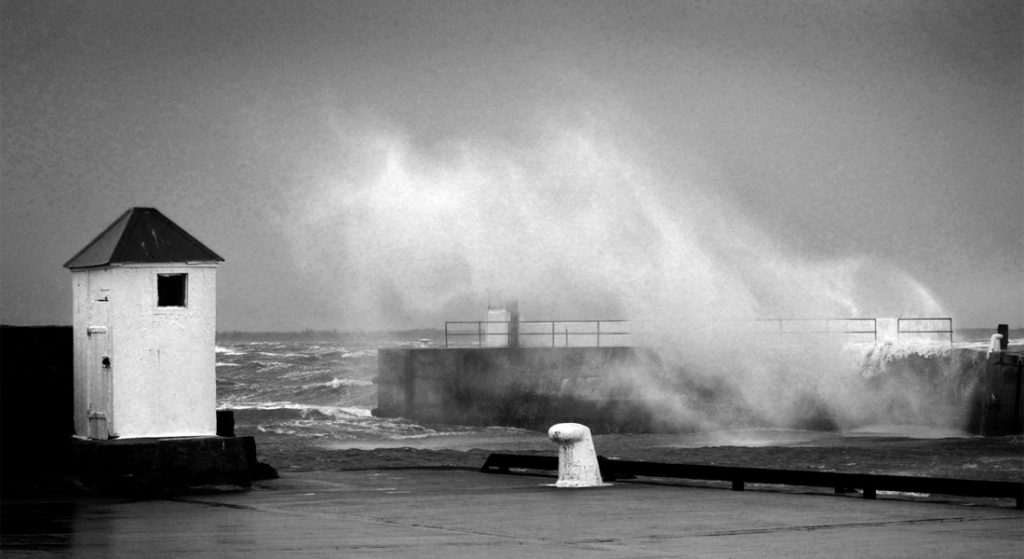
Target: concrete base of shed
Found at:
x=161, y=465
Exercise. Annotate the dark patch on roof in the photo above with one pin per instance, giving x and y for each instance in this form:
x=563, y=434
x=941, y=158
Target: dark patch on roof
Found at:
x=142, y=235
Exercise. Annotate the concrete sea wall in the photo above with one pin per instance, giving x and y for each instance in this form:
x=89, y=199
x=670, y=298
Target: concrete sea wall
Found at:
x=538, y=387
x=523, y=387
x=1000, y=396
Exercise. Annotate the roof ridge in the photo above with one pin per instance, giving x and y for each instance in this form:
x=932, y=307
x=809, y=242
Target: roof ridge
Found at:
x=130, y=244
x=133, y=221
x=97, y=238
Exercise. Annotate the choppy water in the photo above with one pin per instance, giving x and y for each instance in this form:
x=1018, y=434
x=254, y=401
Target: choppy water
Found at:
x=322, y=391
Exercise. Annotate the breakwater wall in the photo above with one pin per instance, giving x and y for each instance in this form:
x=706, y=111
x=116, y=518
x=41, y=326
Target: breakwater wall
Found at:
x=522, y=387
x=622, y=389
x=999, y=400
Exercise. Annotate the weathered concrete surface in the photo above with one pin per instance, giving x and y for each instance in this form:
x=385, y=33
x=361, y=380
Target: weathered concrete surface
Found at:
x=445, y=514
x=524, y=387
x=158, y=465
x=1001, y=396
x=620, y=389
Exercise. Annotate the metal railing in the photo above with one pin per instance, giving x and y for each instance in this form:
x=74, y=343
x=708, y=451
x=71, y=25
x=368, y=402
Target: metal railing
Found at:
x=917, y=327
x=830, y=327
x=537, y=333
x=594, y=333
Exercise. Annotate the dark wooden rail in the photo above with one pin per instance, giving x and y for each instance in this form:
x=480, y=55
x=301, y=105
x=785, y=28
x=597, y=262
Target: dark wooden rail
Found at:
x=869, y=484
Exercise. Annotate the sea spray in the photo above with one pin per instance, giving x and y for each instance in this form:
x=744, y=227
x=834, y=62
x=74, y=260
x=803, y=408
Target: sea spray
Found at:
x=577, y=225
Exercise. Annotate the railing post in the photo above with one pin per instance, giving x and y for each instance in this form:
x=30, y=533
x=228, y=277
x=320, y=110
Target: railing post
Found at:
x=479, y=334
x=552, y=334
x=446, y=335
x=598, y=333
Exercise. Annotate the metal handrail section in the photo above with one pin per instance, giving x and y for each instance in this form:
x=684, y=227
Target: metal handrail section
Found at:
x=567, y=330
x=949, y=329
x=555, y=330
x=870, y=326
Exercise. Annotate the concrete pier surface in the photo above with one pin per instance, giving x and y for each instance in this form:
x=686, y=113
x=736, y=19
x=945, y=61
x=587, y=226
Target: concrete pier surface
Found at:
x=426, y=513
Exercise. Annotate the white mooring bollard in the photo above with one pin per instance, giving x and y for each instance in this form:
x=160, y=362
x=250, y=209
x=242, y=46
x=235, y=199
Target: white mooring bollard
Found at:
x=994, y=344
x=577, y=459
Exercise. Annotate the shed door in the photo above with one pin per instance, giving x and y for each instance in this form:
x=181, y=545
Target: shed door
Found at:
x=100, y=382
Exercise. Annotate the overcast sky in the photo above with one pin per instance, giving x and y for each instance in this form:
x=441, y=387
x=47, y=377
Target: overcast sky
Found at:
x=398, y=164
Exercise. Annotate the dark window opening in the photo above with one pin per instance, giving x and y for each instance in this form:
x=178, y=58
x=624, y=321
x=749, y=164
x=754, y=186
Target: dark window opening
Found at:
x=171, y=290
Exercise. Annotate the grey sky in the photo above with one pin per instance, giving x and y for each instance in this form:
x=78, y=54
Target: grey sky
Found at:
x=394, y=164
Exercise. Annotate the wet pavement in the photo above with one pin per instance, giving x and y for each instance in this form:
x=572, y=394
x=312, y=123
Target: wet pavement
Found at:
x=427, y=513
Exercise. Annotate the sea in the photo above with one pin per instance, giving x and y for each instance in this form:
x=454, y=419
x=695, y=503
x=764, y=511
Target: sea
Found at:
x=318, y=390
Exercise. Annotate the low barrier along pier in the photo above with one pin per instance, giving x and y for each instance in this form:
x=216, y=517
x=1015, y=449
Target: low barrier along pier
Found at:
x=612, y=333
x=868, y=484
x=533, y=374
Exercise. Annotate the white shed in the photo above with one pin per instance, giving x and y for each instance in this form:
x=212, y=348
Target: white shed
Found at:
x=144, y=323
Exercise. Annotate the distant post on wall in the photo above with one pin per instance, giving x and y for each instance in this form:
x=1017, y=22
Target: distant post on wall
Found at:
x=513, y=324
x=1004, y=342
x=502, y=325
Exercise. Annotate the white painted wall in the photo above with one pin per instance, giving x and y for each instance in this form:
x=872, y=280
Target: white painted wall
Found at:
x=163, y=362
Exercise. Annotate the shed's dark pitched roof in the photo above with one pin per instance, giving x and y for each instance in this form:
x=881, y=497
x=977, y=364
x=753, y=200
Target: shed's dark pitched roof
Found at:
x=142, y=235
